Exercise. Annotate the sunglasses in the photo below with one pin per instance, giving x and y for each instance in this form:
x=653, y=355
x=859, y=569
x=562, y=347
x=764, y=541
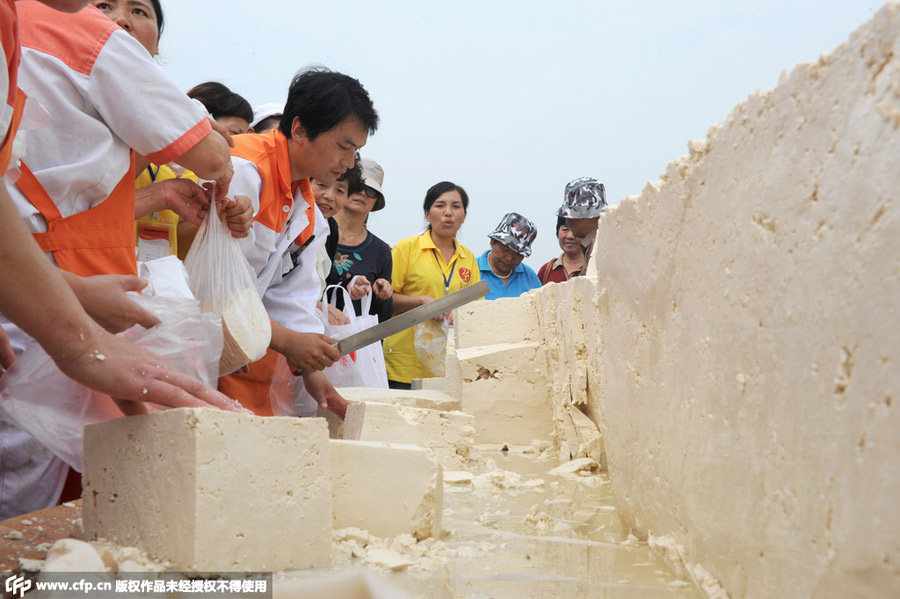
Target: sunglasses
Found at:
x=370, y=192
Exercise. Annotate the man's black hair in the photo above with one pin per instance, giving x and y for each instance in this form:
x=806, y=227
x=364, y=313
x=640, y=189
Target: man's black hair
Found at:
x=353, y=177
x=323, y=99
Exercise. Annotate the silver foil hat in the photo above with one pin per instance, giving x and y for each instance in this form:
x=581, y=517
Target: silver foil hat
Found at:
x=515, y=232
x=584, y=198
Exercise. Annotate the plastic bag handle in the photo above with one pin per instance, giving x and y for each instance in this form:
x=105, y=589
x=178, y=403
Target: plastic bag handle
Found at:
x=348, y=310
x=365, y=303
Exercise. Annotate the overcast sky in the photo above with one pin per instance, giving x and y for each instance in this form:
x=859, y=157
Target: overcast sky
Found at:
x=512, y=99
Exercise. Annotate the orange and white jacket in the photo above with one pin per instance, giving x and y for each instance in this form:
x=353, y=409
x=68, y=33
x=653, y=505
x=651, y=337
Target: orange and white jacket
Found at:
x=105, y=95
x=288, y=230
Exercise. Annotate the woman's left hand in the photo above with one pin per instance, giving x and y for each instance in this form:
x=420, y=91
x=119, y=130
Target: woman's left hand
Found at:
x=359, y=287
x=105, y=299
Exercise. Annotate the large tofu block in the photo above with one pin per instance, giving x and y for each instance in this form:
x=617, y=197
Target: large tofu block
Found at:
x=505, y=388
x=746, y=315
x=417, y=398
x=209, y=490
x=337, y=426
x=488, y=322
x=449, y=435
x=388, y=489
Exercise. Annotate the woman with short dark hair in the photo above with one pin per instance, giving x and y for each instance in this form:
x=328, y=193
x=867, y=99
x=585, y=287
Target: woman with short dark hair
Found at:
x=426, y=267
x=228, y=108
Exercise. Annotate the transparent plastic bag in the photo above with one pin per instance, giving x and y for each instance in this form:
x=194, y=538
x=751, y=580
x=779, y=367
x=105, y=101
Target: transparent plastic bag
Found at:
x=287, y=394
x=430, y=343
x=39, y=399
x=221, y=278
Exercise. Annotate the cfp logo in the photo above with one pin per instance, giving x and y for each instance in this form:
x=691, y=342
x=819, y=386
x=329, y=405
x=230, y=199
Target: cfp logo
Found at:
x=17, y=585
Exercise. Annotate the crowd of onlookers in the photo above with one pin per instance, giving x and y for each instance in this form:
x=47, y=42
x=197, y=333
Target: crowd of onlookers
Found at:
x=106, y=162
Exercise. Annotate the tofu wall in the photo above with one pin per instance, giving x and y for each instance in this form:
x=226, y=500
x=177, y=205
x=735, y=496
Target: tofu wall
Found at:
x=738, y=339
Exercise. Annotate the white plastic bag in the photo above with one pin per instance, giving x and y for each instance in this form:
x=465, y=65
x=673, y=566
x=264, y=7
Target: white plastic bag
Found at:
x=167, y=277
x=221, y=278
x=430, y=343
x=362, y=368
x=39, y=399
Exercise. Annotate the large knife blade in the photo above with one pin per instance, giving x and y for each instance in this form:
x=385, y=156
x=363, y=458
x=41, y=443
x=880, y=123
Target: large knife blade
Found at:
x=412, y=317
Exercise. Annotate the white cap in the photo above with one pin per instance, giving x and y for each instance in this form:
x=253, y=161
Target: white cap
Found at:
x=264, y=111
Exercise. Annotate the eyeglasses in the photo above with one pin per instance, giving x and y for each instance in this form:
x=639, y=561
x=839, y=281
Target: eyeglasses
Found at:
x=370, y=192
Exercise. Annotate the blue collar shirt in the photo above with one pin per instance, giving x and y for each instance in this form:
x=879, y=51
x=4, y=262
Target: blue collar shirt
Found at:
x=523, y=279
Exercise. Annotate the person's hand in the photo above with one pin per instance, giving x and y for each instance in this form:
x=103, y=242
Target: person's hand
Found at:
x=132, y=375
x=185, y=198
x=427, y=299
x=383, y=289
x=335, y=316
x=238, y=215
x=321, y=389
x=359, y=287
x=310, y=352
x=103, y=298
x=7, y=357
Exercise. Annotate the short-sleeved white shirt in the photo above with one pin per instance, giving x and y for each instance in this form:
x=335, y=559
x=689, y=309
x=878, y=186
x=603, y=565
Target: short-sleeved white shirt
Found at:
x=289, y=291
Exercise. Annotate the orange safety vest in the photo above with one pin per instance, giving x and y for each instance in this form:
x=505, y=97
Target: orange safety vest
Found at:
x=98, y=241
x=269, y=152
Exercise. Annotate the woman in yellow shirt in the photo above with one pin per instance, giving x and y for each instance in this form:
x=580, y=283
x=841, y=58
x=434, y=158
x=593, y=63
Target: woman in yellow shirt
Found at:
x=426, y=267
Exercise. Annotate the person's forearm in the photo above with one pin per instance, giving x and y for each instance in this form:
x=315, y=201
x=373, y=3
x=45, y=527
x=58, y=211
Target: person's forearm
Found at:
x=148, y=200
x=34, y=294
x=209, y=159
x=281, y=338
x=405, y=303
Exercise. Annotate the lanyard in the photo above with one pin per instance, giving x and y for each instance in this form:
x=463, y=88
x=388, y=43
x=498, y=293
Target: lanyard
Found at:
x=446, y=278
x=153, y=173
